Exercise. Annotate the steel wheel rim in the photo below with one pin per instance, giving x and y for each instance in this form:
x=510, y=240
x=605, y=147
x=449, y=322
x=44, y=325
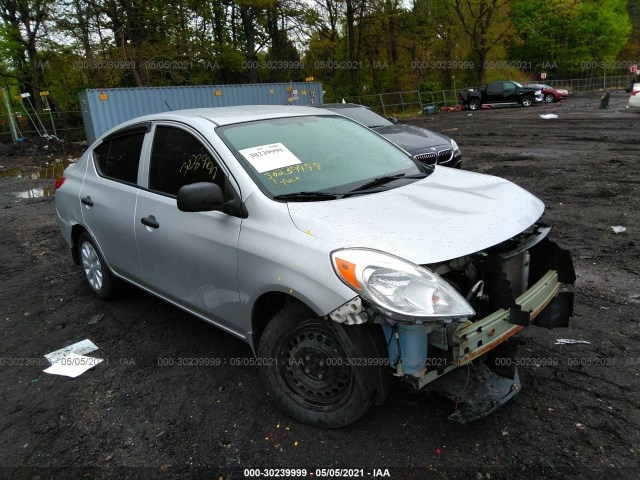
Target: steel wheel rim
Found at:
x=312, y=367
x=92, y=266
x=548, y=98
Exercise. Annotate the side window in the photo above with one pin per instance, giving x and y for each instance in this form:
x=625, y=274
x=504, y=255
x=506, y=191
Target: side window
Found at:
x=118, y=158
x=494, y=88
x=509, y=88
x=177, y=159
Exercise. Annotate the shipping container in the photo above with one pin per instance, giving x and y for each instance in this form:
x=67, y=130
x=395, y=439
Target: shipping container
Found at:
x=104, y=108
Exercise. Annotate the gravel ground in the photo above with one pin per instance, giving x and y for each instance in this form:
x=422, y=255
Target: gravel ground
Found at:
x=129, y=417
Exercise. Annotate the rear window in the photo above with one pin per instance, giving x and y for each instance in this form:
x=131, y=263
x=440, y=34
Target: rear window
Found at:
x=118, y=157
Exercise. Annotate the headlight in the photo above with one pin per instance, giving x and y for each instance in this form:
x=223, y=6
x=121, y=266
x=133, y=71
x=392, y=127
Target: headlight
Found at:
x=396, y=286
x=454, y=146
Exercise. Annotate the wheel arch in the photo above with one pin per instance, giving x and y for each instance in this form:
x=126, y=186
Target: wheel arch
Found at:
x=265, y=307
x=76, y=231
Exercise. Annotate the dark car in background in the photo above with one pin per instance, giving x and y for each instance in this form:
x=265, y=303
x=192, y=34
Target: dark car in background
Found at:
x=549, y=93
x=424, y=145
x=502, y=92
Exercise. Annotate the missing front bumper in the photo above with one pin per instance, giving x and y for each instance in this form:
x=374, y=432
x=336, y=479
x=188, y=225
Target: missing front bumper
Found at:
x=477, y=391
x=473, y=340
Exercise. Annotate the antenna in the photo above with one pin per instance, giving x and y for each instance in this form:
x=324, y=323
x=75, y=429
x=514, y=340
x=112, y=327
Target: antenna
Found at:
x=168, y=106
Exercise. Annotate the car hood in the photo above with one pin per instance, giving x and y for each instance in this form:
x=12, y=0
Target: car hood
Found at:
x=449, y=214
x=412, y=138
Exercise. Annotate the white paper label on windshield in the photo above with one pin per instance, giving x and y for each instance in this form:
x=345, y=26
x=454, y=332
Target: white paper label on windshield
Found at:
x=269, y=157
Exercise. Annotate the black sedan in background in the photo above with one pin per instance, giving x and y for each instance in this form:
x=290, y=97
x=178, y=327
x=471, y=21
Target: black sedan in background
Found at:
x=426, y=146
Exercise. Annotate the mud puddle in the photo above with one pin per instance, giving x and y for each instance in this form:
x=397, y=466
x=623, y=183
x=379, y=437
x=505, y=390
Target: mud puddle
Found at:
x=50, y=171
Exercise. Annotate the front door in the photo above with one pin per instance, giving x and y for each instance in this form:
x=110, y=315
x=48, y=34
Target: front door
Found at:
x=188, y=258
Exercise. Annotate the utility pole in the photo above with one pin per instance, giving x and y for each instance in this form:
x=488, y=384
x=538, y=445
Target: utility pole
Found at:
x=13, y=126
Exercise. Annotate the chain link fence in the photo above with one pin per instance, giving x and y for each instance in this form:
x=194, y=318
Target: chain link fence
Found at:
x=416, y=101
x=68, y=126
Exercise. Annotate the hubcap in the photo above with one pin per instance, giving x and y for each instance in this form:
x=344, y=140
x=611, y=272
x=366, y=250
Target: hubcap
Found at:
x=92, y=266
x=312, y=367
x=527, y=102
x=549, y=98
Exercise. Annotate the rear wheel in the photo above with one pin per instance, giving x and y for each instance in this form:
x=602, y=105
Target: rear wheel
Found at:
x=317, y=371
x=549, y=98
x=98, y=275
x=474, y=104
x=527, y=101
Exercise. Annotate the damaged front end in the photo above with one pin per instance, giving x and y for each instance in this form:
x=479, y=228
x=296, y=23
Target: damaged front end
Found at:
x=524, y=281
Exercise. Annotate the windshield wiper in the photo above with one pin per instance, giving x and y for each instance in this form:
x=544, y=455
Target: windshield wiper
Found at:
x=306, y=196
x=376, y=182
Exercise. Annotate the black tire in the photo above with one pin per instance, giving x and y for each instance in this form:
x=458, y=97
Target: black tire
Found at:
x=527, y=101
x=305, y=367
x=474, y=104
x=96, y=271
x=549, y=98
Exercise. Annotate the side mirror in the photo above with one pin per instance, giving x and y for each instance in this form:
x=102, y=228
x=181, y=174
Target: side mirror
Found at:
x=200, y=197
x=393, y=120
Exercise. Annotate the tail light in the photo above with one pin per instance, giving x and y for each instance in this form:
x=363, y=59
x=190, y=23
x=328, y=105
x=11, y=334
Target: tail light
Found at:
x=59, y=183
x=635, y=92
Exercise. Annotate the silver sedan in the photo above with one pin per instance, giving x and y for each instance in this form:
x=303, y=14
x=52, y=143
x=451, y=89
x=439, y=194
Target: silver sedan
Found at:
x=342, y=261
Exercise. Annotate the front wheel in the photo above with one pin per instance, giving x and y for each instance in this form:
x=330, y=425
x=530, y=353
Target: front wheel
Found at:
x=549, y=98
x=96, y=271
x=527, y=101
x=320, y=372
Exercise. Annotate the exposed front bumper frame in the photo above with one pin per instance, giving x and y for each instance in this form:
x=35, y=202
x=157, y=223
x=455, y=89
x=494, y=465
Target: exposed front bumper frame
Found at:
x=472, y=341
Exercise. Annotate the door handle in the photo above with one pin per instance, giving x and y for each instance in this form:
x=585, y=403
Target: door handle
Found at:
x=150, y=221
x=87, y=201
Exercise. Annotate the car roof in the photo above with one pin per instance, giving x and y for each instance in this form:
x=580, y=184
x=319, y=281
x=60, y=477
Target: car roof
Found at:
x=338, y=106
x=221, y=116
x=238, y=114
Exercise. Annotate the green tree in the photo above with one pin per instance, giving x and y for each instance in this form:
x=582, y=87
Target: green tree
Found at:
x=569, y=37
x=486, y=24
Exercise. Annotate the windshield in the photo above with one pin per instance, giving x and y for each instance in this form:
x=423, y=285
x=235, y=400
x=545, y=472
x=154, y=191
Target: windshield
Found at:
x=328, y=154
x=362, y=115
x=517, y=84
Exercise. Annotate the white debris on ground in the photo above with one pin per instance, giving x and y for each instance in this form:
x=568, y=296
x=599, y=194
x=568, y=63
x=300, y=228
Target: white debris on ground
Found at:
x=70, y=361
x=73, y=365
x=618, y=229
x=569, y=341
x=79, y=348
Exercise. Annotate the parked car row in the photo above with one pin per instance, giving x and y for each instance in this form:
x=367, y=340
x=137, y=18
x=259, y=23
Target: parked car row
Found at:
x=507, y=92
x=500, y=93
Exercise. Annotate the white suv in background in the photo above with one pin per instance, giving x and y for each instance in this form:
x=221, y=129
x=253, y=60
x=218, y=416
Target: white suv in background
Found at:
x=634, y=99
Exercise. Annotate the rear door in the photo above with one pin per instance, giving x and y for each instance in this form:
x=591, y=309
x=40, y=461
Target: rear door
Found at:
x=494, y=92
x=108, y=198
x=189, y=258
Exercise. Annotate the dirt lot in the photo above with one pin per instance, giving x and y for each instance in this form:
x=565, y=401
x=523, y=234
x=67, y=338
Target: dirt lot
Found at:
x=130, y=417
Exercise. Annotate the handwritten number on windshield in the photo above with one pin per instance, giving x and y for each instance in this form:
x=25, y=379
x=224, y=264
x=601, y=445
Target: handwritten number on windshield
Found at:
x=199, y=161
x=273, y=175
